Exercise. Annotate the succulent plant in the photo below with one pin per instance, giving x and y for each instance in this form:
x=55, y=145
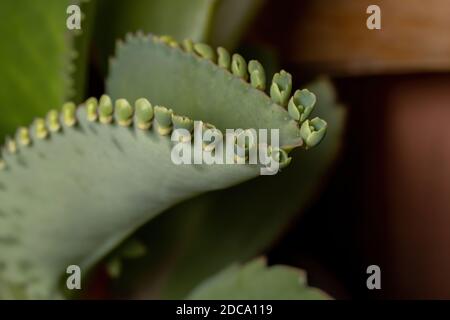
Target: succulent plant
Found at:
x=77, y=184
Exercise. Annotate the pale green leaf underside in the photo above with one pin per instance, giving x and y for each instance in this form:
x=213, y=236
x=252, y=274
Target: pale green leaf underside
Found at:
x=190, y=85
x=256, y=281
x=34, y=59
x=72, y=198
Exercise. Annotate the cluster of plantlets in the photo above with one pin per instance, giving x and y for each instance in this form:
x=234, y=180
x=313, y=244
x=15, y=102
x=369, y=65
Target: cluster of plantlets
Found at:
x=300, y=105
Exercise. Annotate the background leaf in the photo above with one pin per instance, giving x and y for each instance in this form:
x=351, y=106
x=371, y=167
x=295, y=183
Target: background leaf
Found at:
x=179, y=19
x=36, y=60
x=256, y=281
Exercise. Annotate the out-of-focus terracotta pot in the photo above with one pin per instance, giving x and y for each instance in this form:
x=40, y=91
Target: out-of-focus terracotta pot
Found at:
x=335, y=38
x=332, y=36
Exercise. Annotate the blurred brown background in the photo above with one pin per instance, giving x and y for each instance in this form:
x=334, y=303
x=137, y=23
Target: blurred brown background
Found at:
x=388, y=202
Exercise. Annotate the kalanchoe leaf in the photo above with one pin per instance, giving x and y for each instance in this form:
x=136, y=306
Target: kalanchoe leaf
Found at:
x=68, y=112
x=255, y=280
x=257, y=75
x=239, y=105
x=53, y=121
x=281, y=87
x=163, y=117
x=124, y=112
x=142, y=195
x=205, y=51
x=301, y=104
x=143, y=113
x=91, y=109
x=105, y=109
x=224, y=60
x=239, y=66
x=313, y=131
x=40, y=128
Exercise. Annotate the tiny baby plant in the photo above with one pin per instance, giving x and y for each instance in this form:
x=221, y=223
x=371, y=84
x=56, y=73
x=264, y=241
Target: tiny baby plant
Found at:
x=80, y=183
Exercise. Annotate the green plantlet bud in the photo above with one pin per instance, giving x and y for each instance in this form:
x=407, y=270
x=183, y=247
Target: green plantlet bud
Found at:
x=224, y=60
x=163, y=118
x=313, y=131
x=68, y=111
x=91, y=109
x=169, y=41
x=133, y=249
x=208, y=126
x=53, y=121
x=257, y=75
x=280, y=156
x=124, y=113
x=180, y=122
x=188, y=45
x=40, y=129
x=239, y=66
x=23, y=137
x=301, y=104
x=11, y=145
x=205, y=51
x=143, y=114
x=114, y=267
x=281, y=87
x=105, y=109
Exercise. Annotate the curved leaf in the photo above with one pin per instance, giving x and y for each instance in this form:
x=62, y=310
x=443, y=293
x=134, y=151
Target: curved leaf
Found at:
x=256, y=281
x=147, y=67
x=195, y=239
x=72, y=197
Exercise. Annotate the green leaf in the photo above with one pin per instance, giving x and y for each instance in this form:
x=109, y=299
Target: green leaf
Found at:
x=71, y=196
x=146, y=67
x=256, y=281
x=35, y=60
x=197, y=238
x=89, y=185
